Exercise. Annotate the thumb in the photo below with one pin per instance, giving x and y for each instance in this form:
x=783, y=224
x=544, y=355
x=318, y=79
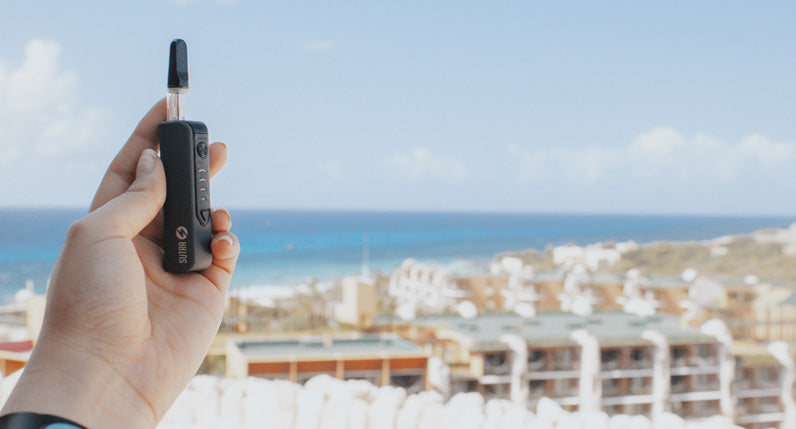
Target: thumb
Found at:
x=130, y=212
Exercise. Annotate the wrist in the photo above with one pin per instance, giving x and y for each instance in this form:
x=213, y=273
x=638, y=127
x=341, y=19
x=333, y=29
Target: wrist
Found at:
x=80, y=387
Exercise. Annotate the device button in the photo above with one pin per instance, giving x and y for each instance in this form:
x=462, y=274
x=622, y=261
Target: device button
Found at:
x=201, y=149
x=204, y=216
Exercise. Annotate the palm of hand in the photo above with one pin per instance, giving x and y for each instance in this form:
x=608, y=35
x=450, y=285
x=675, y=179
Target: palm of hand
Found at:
x=149, y=325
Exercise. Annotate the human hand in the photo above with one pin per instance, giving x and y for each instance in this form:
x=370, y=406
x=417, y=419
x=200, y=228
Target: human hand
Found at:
x=121, y=336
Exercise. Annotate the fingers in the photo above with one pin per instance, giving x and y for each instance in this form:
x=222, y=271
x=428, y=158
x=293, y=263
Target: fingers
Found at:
x=221, y=220
x=122, y=171
x=225, y=248
x=127, y=214
x=218, y=157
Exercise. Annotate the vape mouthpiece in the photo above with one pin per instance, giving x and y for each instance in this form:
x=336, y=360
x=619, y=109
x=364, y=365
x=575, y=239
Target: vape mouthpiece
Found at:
x=178, y=64
x=178, y=80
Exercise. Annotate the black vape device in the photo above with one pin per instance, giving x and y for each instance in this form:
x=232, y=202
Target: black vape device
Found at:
x=187, y=228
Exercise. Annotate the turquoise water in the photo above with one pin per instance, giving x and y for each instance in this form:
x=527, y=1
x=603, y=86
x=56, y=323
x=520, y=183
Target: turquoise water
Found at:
x=282, y=248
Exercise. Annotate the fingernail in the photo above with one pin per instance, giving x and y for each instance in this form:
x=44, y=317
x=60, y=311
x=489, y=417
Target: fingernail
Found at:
x=223, y=144
x=146, y=164
x=226, y=238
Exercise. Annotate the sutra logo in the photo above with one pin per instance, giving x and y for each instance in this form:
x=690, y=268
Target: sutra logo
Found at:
x=182, y=245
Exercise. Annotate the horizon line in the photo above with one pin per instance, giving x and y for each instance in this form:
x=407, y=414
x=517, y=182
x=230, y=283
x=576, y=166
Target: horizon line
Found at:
x=455, y=211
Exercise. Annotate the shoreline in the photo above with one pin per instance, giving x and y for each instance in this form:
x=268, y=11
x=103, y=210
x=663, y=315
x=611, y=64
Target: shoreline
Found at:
x=330, y=248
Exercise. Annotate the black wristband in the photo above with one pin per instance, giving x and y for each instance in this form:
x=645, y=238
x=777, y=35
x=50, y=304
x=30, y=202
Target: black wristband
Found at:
x=36, y=421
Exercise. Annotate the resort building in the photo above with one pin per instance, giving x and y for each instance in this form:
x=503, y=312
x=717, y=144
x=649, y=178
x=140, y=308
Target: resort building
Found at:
x=380, y=359
x=757, y=387
x=14, y=355
x=610, y=360
x=360, y=303
x=772, y=315
x=418, y=287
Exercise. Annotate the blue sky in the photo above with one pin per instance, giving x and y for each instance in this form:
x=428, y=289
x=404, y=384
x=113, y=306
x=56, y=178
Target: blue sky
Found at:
x=640, y=107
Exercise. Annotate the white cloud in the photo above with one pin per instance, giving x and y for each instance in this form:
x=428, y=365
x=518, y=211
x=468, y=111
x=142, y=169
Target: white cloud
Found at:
x=661, y=156
x=318, y=46
x=39, y=116
x=421, y=163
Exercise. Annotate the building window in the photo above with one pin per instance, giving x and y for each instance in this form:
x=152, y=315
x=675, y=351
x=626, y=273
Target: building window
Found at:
x=537, y=360
x=637, y=409
x=745, y=406
x=680, y=408
x=705, y=408
x=538, y=388
x=770, y=404
x=412, y=383
x=640, y=385
x=496, y=391
x=743, y=378
x=565, y=387
x=705, y=354
x=679, y=384
x=496, y=364
x=609, y=359
x=704, y=382
x=767, y=377
x=679, y=356
x=564, y=359
x=639, y=358
x=463, y=386
x=610, y=387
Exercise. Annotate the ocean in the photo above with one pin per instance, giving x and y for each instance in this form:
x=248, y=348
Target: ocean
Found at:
x=284, y=248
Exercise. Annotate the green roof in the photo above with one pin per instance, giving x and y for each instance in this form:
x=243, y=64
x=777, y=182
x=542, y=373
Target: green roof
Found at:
x=313, y=345
x=549, y=329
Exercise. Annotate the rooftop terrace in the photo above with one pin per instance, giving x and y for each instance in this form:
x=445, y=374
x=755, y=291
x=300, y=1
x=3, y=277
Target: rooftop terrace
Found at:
x=554, y=328
x=326, y=347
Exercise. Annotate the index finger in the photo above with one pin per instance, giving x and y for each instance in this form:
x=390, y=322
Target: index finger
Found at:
x=121, y=172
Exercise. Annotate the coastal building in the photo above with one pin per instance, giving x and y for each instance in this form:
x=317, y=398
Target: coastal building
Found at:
x=14, y=355
x=772, y=315
x=360, y=302
x=511, y=286
x=756, y=312
x=609, y=360
x=757, y=387
x=549, y=285
x=668, y=291
x=486, y=292
x=380, y=359
x=592, y=257
x=419, y=287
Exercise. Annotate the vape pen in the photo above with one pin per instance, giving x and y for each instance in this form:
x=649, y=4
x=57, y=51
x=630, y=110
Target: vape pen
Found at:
x=187, y=228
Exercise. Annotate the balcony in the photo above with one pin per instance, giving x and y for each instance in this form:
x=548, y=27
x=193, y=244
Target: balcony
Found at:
x=537, y=360
x=640, y=358
x=496, y=364
x=564, y=359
